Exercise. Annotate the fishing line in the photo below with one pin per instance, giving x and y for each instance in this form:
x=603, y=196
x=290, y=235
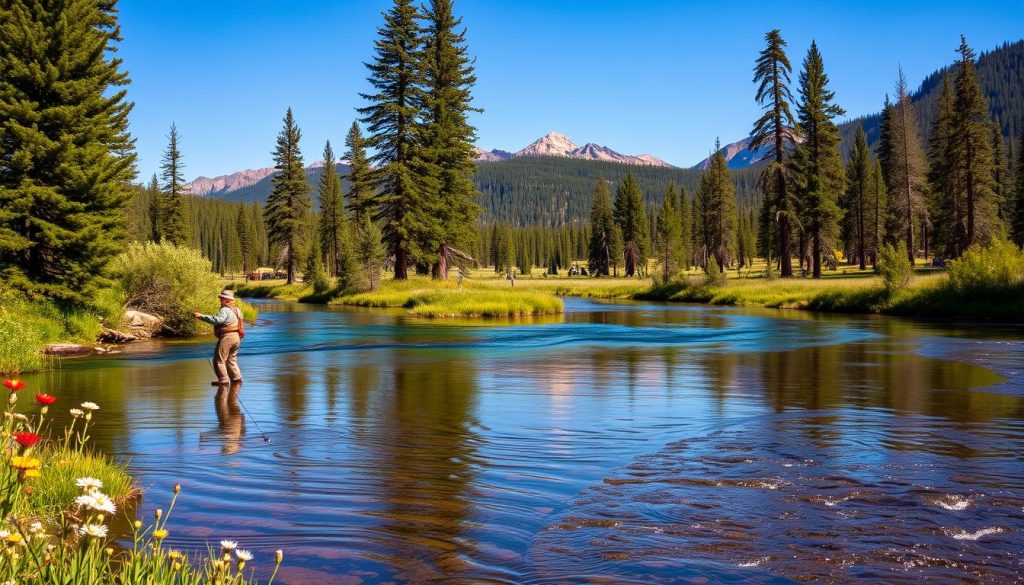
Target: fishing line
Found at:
x=266, y=439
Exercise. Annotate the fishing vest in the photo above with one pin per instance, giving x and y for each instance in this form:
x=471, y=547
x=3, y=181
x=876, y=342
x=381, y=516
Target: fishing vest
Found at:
x=237, y=327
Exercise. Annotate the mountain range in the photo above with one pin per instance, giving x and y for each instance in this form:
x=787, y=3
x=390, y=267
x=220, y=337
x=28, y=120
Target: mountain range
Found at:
x=558, y=144
x=551, y=144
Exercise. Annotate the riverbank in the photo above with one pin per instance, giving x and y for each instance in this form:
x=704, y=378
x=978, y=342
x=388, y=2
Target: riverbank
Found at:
x=929, y=294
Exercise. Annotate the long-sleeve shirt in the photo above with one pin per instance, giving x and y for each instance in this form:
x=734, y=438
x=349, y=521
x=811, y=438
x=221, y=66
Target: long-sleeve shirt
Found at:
x=226, y=316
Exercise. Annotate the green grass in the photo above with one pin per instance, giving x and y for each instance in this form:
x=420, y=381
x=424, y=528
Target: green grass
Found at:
x=426, y=298
x=55, y=490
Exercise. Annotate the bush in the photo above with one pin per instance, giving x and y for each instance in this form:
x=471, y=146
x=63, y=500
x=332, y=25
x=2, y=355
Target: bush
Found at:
x=995, y=269
x=713, y=274
x=169, y=281
x=894, y=268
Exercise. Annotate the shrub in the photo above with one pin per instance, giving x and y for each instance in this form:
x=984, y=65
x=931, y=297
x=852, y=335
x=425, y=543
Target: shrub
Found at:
x=169, y=281
x=894, y=268
x=995, y=269
x=713, y=274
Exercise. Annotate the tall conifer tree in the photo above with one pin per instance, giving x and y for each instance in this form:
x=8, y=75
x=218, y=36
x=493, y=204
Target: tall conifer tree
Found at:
x=1018, y=208
x=632, y=220
x=772, y=75
x=685, y=226
x=360, y=176
x=668, y=235
x=948, y=206
x=817, y=168
x=904, y=161
x=67, y=156
x=972, y=148
x=288, y=206
x=173, y=224
x=858, y=196
x=602, y=227
x=404, y=181
x=717, y=208
x=448, y=135
x=334, y=241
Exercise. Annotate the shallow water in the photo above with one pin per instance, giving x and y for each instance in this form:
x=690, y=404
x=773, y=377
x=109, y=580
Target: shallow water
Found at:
x=614, y=444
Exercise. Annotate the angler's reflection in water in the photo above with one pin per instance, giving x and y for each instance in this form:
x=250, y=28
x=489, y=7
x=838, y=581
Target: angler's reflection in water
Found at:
x=230, y=421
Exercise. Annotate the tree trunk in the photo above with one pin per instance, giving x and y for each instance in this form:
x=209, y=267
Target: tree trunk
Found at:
x=401, y=270
x=816, y=253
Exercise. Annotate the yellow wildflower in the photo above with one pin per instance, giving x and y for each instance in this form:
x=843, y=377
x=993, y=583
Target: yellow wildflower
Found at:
x=30, y=473
x=159, y=533
x=24, y=462
x=13, y=538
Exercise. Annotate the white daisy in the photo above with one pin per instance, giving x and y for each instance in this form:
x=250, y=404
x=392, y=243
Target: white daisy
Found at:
x=228, y=544
x=89, y=483
x=76, y=412
x=103, y=503
x=94, y=530
x=243, y=555
x=90, y=406
x=86, y=501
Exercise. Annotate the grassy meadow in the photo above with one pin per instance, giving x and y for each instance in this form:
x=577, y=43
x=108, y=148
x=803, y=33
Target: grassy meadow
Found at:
x=986, y=284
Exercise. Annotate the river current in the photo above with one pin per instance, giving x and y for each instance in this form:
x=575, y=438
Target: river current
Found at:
x=617, y=443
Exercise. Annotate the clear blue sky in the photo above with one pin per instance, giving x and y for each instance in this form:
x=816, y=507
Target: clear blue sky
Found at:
x=640, y=76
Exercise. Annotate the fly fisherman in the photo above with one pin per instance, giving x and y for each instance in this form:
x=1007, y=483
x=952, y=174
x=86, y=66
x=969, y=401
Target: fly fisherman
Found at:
x=229, y=327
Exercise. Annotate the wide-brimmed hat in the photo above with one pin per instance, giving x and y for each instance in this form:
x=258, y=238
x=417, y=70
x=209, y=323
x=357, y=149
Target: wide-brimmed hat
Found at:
x=228, y=294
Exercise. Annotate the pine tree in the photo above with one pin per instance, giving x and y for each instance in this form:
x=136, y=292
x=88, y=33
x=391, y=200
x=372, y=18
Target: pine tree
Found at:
x=632, y=220
x=817, y=169
x=999, y=180
x=858, y=196
x=447, y=134
x=1018, y=208
x=334, y=243
x=683, y=209
x=360, y=176
x=153, y=210
x=173, y=224
x=904, y=161
x=246, y=240
x=668, y=236
x=878, y=208
x=67, y=156
x=404, y=182
x=716, y=198
x=288, y=206
x=972, y=149
x=370, y=253
x=771, y=72
x=602, y=228
x=946, y=200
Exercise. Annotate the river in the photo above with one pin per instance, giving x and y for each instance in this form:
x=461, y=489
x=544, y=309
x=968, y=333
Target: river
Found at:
x=617, y=443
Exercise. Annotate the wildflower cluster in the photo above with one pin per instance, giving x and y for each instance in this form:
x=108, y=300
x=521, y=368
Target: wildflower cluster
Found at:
x=78, y=544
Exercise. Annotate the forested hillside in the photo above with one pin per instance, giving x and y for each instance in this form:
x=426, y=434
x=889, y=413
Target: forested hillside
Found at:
x=1001, y=72
x=546, y=190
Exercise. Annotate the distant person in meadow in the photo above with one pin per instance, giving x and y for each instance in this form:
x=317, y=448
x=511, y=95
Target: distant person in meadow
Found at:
x=229, y=327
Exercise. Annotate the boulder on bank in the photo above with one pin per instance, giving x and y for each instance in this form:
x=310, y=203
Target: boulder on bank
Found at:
x=108, y=335
x=143, y=325
x=67, y=349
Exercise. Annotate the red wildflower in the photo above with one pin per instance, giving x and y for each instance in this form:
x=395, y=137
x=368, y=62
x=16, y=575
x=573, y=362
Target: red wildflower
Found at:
x=14, y=385
x=46, y=399
x=27, y=439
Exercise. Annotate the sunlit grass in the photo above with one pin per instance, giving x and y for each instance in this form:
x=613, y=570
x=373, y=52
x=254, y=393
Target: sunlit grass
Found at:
x=426, y=298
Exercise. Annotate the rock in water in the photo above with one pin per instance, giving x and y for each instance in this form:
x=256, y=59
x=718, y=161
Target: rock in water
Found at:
x=67, y=349
x=108, y=335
